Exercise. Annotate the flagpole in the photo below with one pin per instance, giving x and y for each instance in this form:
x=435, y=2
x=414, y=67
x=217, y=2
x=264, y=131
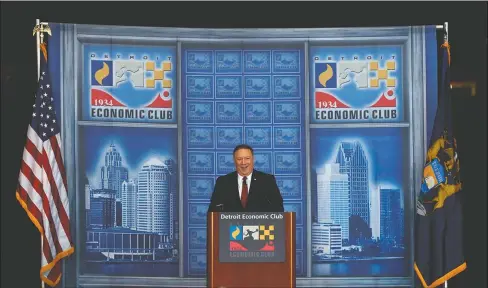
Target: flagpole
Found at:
x=38, y=50
x=38, y=43
x=446, y=39
x=446, y=35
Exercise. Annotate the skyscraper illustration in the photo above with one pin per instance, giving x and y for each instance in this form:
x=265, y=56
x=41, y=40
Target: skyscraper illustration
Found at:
x=113, y=175
x=173, y=199
x=102, y=208
x=374, y=202
x=153, y=213
x=333, y=197
x=145, y=211
x=129, y=204
x=391, y=215
x=353, y=162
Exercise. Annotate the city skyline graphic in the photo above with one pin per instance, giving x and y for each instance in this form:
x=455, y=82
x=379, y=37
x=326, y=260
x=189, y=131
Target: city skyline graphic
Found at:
x=131, y=195
x=135, y=153
x=357, y=195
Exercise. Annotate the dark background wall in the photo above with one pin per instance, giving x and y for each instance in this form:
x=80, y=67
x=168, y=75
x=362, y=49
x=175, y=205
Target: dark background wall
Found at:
x=20, y=240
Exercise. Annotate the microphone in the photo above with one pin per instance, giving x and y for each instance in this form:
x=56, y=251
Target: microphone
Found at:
x=220, y=207
x=267, y=199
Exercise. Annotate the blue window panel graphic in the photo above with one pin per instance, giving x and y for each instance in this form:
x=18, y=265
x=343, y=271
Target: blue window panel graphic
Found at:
x=263, y=161
x=257, y=61
x=197, y=212
x=297, y=208
x=288, y=162
x=299, y=241
x=253, y=90
x=200, y=137
x=286, y=61
x=258, y=137
x=228, y=61
x=300, y=262
x=197, y=263
x=225, y=163
x=258, y=112
x=200, y=87
x=199, y=187
x=257, y=87
x=287, y=137
x=291, y=187
x=286, y=86
x=229, y=112
x=200, y=112
x=199, y=61
x=201, y=163
x=229, y=137
x=287, y=112
x=198, y=238
x=228, y=87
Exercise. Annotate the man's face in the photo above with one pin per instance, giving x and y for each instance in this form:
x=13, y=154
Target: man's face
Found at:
x=244, y=161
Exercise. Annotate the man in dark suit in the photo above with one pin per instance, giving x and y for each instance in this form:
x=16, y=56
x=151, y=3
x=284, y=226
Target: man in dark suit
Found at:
x=246, y=189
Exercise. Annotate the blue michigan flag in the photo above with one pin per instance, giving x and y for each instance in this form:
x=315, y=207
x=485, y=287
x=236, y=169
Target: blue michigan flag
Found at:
x=439, y=235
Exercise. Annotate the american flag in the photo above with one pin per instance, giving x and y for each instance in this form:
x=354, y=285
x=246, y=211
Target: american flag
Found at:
x=42, y=187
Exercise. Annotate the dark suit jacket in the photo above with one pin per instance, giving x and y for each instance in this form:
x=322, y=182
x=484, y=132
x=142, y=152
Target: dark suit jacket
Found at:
x=264, y=194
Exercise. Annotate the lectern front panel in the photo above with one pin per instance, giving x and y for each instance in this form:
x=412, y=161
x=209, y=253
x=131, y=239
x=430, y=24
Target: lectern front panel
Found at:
x=251, y=250
x=251, y=237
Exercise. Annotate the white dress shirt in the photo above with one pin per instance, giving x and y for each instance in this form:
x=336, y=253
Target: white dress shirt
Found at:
x=239, y=184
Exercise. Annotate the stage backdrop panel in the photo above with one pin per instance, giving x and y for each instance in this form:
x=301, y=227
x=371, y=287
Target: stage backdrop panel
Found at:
x=354, y=84
x=233, y=95
x=125, y=83
x=130, y=201
x=150, y=116
x=128, y=172
x=358, y=174
x=358, y=184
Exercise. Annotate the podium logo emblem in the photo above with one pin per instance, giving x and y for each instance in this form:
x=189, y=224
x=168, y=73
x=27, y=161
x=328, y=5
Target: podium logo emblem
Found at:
x=251, y=232
x=266, y=234
x=235, y=232
x=251, y=238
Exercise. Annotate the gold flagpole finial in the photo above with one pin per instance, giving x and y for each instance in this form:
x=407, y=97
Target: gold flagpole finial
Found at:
x=42, y=28
x=446, y=43
x=448, y=47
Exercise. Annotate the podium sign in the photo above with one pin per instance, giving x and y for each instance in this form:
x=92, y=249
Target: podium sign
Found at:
x=244, y=249
x=252, y=237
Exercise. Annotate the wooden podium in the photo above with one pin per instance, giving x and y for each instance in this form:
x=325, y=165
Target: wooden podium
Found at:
x=276, y=271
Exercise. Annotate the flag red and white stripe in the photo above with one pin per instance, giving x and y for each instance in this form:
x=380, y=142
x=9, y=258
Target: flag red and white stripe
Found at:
x=42, y=187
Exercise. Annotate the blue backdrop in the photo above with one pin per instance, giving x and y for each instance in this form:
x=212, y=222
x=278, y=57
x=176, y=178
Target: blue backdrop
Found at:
x=252, y=96
x=353, y=102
